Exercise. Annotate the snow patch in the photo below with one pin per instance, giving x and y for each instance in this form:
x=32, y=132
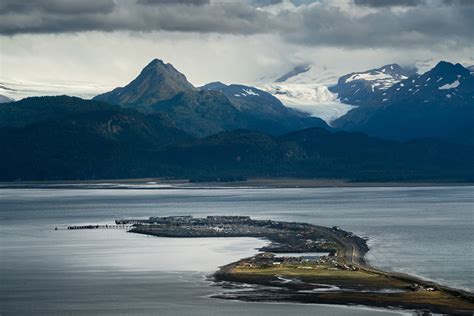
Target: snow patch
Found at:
x=368, y=76
x=378, y=79
x=452, y=85
x=249, y=92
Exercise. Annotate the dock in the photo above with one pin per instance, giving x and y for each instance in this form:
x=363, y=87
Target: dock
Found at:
x=106, y=226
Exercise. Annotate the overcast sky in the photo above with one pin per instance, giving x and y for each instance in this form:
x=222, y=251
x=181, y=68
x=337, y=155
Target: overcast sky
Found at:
x=104, y=43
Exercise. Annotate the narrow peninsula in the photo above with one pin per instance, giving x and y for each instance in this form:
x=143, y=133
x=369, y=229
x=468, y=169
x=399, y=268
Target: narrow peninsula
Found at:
x=308, y=264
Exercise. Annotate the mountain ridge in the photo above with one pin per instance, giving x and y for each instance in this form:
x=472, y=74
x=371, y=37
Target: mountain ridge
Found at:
x=438, y=103
x=357, y=88
x=160, y=88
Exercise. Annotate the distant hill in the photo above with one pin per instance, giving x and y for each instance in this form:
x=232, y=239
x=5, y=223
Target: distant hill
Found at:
x=77, y=139
x=160, y=88
x=37, y=109
x=322, y=154
x=438, y=103
x=264, y=112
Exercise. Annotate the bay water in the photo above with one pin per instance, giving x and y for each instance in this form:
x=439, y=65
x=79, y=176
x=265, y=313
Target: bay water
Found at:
x=425, y=231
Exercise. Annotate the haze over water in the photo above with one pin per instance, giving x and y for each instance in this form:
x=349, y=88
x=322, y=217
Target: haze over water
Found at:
x=422, y=231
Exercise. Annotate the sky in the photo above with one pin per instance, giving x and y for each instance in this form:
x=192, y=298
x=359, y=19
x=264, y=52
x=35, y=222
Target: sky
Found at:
x=90, y=46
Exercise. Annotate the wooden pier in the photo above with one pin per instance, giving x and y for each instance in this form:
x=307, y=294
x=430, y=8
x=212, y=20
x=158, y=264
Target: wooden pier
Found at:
x=106, y=226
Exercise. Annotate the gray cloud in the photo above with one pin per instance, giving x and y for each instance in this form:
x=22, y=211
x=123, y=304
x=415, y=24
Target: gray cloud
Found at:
x=411, y=3
x=227, y=18
x=388, y=3
x=459, y=2
x=263, y=3
x=440, y=25
x=435, y=23
x=172, y=2
x=56, y=7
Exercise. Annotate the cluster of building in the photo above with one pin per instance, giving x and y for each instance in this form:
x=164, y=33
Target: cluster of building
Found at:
x=269, y=259
x=187, y=219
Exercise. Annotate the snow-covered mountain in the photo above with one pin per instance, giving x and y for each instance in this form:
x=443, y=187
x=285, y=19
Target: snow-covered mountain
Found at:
x=445, y=82
x=321, y=92
x=305, y=88
x=438, y=103
x=360, y=87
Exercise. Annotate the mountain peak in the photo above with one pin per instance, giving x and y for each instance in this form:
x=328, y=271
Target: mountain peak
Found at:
x=158, y=81
x=396, y=70
x=448, y=70
x=447, y=66
x=158, y=64
x=155, y=61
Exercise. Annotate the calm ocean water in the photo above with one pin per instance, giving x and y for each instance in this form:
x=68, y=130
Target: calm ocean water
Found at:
x=422, y=231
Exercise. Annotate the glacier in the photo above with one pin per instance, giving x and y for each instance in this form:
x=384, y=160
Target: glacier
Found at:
x=315, y=99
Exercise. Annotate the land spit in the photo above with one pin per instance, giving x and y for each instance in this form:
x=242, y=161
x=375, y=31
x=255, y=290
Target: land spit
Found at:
x=342, y=276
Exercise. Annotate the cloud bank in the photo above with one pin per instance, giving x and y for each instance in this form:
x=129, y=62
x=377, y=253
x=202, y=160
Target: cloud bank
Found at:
x=347, y=24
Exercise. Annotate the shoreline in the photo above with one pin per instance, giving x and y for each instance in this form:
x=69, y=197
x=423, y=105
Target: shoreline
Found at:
x=253, y=183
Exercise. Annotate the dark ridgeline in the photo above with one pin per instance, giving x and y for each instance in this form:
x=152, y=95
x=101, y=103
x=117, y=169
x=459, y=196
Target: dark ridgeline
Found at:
x=161, y=126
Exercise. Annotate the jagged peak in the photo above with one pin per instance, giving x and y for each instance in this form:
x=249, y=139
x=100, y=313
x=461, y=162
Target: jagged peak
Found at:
x=157, y=81
x=156, y=61
x=445, y=67
x=158, y=64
